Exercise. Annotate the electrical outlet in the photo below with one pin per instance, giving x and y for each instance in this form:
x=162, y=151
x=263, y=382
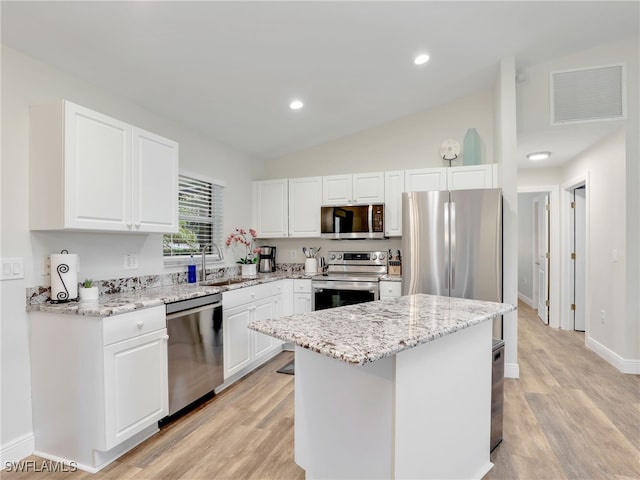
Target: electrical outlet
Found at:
x=294, y=254
x=46, y=265
x=603, y=317
x=131, y=261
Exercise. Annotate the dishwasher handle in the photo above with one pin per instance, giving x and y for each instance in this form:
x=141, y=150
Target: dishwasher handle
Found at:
x=182, y=313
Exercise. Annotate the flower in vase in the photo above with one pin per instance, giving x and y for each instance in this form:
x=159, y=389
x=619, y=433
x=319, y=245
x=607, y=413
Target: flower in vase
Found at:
x=245, y=239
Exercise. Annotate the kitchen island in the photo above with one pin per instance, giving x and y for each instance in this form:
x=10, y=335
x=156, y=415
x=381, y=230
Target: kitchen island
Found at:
x=397, y=388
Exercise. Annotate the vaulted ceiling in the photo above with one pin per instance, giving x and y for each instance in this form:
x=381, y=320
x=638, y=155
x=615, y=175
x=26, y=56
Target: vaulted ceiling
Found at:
x=230, y=69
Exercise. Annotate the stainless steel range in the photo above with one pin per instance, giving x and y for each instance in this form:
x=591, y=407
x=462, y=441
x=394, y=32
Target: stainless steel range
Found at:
x=351, y=277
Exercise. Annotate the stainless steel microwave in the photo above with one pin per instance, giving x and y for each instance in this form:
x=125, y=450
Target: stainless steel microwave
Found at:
x=352, y=222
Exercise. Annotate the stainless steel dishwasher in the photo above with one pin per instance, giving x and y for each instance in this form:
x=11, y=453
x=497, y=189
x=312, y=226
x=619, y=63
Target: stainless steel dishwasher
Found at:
x=195, y=351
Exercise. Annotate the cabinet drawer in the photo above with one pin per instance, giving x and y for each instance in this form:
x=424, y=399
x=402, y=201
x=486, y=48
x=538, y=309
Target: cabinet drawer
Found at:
x=131, y=324
x=245, y=295
x=278, y=287
x=301, y=286
x=390, y=289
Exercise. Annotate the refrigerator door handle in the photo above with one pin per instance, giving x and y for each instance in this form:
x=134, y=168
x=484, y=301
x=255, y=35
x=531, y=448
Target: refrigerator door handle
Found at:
x=447, y=259
x=453, y=245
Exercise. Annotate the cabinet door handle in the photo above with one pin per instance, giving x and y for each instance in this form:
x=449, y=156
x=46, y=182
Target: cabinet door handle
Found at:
x=165, y=338
x=140, y=324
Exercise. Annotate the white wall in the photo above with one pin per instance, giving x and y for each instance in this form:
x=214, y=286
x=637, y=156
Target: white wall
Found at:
x=605, y=166
x=505, y=146
x=410, y=142
x=618, y=176
x=26, y=82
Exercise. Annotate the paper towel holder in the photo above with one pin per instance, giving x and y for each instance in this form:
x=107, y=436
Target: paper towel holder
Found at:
x=62, y=268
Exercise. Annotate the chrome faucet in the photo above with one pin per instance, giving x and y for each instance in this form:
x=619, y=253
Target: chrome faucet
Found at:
x=203, y=269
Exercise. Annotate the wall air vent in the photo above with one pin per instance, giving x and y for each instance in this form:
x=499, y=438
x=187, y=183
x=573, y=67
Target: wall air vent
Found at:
x=588, y=95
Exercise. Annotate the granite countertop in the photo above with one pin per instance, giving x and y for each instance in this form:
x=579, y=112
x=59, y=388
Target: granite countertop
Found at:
x=117, y=303
x=366, y=332
x=391, y=278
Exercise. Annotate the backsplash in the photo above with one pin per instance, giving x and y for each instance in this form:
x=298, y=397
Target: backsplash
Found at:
x=42, y=294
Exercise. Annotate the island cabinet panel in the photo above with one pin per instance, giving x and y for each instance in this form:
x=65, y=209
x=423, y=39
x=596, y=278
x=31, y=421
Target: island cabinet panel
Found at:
x=88, y=171
x=422, y=413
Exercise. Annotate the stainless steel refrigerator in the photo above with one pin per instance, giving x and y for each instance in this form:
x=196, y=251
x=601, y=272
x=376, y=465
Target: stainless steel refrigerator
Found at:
x=452, y=245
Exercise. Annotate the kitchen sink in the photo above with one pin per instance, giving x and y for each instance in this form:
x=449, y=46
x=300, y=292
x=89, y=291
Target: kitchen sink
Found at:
x=222, y=282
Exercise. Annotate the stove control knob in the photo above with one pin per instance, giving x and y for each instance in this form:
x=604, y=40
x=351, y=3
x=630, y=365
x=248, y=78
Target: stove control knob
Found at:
x=381, y=256
x=332, y=257
x=339, y=256
x=373, y=256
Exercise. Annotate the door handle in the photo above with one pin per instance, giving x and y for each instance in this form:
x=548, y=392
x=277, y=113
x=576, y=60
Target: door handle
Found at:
x=453, y=245
x=447, y=257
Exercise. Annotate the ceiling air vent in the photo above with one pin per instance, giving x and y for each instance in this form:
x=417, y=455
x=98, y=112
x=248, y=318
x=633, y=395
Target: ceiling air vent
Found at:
x=588, y=95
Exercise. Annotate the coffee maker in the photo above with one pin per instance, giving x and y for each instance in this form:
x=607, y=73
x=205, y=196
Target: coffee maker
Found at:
x=267, y=260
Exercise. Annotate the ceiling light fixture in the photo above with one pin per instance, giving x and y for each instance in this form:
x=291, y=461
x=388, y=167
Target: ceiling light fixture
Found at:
x=538, y=155
x=296, y=105
x=421, y=59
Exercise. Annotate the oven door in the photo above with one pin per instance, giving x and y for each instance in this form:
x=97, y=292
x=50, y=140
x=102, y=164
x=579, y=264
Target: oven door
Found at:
x=337, y=293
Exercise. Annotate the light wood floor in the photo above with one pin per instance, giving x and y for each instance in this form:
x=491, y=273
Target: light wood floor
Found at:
x=570, y=416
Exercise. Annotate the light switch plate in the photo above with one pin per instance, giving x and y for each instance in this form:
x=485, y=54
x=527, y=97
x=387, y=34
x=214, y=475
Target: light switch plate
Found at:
x=12, y=268
x=131, y=261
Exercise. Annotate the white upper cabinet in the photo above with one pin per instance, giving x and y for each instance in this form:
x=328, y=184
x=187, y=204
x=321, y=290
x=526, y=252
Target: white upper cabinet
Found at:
x=305, y=195
x=422, y=179
x=155, y=182
x=356, y=188
x=271, y=208
x=89, y=172
x=337, y=189
x=393, y=188
x=471, y=177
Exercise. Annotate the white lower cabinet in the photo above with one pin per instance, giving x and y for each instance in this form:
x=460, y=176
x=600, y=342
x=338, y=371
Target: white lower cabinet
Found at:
x=390, y=289
x=302, y=301
x=99, y=385
x=246, y=349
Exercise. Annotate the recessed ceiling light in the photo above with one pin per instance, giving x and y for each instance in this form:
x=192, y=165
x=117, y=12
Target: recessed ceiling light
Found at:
x=421, y=59
x=296, y=105
x=538, y=155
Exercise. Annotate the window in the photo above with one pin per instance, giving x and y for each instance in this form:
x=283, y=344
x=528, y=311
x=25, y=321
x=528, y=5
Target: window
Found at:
x=199, y=218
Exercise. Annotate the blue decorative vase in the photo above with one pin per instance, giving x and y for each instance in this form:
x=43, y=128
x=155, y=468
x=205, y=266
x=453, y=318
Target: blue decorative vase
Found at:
x=471, y=148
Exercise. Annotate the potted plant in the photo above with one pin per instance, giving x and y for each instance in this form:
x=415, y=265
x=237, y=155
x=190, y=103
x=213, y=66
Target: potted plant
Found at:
x=246, y=240
x=87, y=292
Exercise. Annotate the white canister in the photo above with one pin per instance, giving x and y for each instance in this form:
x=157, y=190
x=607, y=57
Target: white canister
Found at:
x=64, y=276
x=311, y=266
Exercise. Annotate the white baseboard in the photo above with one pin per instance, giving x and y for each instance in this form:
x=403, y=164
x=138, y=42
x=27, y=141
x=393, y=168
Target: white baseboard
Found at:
x=622, y=364
x=511, y=370
x=17, y=449
x=522, y=297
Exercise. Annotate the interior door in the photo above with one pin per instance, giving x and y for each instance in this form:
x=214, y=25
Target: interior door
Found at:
x=543, y=258
x=579, y=249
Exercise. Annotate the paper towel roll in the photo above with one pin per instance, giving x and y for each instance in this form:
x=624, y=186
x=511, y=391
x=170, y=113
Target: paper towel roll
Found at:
x=64, y=276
